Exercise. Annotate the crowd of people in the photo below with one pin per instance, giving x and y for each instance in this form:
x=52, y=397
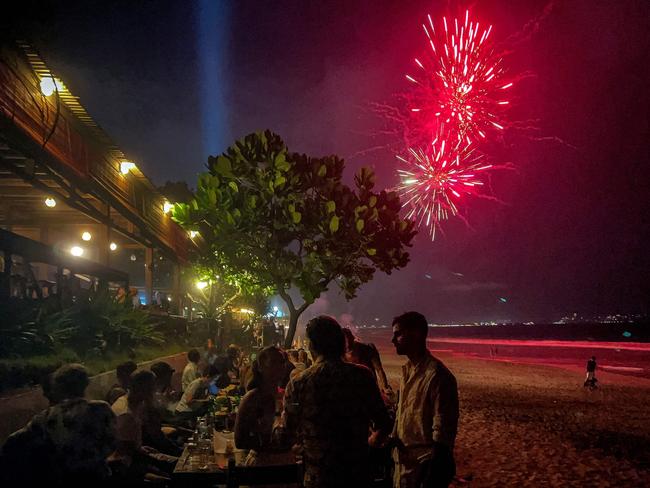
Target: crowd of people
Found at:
x=331, y=407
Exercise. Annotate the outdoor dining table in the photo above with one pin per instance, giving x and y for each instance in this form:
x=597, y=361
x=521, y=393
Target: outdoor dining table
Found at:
x=227, y=469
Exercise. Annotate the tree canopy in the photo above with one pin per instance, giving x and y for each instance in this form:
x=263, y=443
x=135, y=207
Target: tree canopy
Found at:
x=281, y=220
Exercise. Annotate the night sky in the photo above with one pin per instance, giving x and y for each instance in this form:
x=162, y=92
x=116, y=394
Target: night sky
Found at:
x=172, y=82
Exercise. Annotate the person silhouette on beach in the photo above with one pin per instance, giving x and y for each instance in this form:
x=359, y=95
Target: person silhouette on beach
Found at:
x=590, y=379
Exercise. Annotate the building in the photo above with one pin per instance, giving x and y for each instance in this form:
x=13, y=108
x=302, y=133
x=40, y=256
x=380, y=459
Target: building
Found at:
x=71, y=203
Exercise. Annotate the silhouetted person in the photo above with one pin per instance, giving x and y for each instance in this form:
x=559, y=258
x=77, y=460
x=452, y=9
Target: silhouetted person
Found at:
x=123, y=373
x=258, y=411
x=366, y=355
x=590, y=378
x=329, y=409
x=427, y=410
x=66, y=444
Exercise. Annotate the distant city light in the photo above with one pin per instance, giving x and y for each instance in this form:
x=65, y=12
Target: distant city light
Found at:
x=126, y=166
x=86, y=236
x=275, y=309
x=503, y=300
x=49, y=86
x=50, y=202
x=167, y=206
x=112, y=246
x=76, y=251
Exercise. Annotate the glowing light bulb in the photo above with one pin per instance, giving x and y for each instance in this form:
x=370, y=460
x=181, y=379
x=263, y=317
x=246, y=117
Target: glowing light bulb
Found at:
x=167, y=206
x=86, y=236
x=126, y=166
x=49, y=85
x=77, y=251
x=112, y=246
x=201, y=284
x=50, y=202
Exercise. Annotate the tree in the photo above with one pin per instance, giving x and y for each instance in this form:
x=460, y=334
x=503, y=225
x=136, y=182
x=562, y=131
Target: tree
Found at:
x=285, y=220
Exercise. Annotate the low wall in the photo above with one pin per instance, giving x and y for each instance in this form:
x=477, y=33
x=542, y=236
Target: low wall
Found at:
x=16, y=410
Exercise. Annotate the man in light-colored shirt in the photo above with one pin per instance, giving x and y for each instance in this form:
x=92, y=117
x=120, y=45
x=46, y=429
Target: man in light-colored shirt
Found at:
x=427, y=411
x=191, y=371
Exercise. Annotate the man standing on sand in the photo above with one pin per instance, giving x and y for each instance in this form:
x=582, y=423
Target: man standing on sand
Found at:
x=427, y=411
x=329, y=409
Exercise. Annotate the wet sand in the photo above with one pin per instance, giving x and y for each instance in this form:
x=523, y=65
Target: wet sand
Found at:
x=531, y=425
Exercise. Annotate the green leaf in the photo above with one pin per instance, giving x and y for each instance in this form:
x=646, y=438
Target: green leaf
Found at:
x=233, y=185
x=371, y=251
x=281, y=163
x=334, y=224
x=297, y=217
x=223, y=166
x=279, y=181
x=372, y=201
x=360, y=224
x=322, y=171
x=331, y=206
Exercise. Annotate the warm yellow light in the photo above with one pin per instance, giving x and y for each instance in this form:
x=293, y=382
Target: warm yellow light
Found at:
x=126, y=166
x=86, y=236
x=76, y=251
x=112, y=246
x=201, y=284
x=50, y=202
x=246, y=311
x=193, y=234
x=50, y=85
x=167, y=206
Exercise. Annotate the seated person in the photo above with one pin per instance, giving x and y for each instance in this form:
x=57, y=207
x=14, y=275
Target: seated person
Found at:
x=191, y=370
x=136, y=459
x=123, y=373
x=230, y=363
x=194, y=401
x=259, y=409
x=70, y=441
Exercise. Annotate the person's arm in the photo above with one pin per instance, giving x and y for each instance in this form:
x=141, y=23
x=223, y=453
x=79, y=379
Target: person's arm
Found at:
x=444, y=397
x=382, y=423
x=246, y=435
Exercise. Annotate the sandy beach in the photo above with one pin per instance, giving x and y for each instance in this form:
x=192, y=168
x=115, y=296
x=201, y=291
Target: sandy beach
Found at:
x=528, y=425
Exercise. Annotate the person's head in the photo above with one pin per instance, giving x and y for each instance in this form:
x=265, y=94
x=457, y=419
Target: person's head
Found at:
x=142, y=387
x=349, y=338
x=193, y=356
x=233, y=351
x=69, y=381
x=325, y=337
x=593, y=358
x=164, y=373
x=268, y=369
x=293, y=356
x=210, y=371
x=124, y=372
x=410, y=333
x=210, y=343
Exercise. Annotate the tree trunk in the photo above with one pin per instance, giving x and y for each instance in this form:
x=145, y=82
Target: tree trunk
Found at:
x=293, y=323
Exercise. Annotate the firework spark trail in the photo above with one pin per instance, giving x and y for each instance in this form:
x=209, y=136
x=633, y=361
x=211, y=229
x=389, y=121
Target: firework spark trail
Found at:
x=462, y=83
x=434, y=179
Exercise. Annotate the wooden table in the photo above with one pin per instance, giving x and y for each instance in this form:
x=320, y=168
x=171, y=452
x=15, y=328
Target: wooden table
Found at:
x=228, y=470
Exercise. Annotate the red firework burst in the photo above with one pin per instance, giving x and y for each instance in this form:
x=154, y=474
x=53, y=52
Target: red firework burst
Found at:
x=434, y=179
x=462, y=84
